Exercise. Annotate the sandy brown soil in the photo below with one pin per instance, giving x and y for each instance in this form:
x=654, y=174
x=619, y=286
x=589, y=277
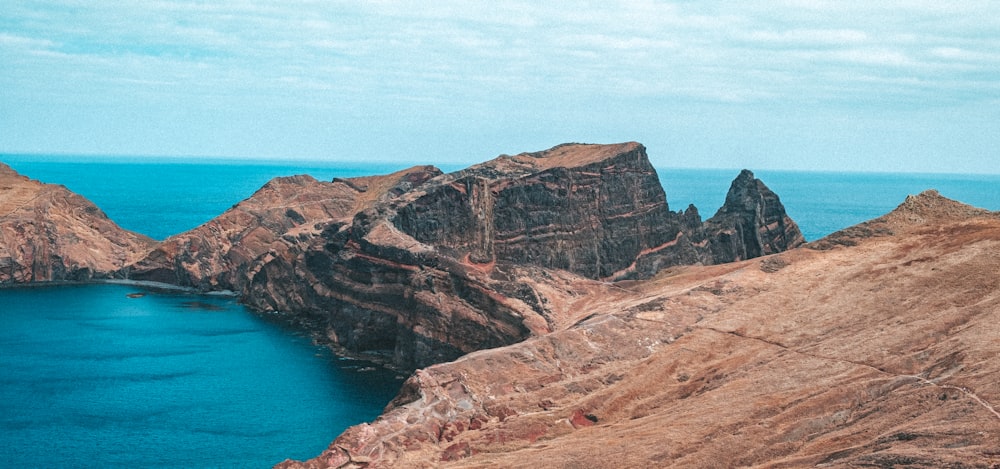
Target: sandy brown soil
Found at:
x=877, y=347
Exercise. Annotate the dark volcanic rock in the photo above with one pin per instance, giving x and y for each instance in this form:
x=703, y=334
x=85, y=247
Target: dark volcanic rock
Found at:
x=225, y=252
x=752, y=223
x=48, y=233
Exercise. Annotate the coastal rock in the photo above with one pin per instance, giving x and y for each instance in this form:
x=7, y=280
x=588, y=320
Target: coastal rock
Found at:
x=48, y=233
x=461, y=262
x=880, y=352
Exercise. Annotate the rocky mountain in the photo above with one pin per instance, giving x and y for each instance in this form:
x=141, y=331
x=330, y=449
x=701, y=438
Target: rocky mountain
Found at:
x=48, y=233
x=425, y=267
x=875, y=347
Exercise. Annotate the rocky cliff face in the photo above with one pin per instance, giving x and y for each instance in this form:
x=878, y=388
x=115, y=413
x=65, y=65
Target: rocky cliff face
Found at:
x=751, y=223
x=48, y=233
x=438, y=271
x=875, y=349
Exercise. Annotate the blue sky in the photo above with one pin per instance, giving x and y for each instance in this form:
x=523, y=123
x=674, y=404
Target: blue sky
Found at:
x=795, y=84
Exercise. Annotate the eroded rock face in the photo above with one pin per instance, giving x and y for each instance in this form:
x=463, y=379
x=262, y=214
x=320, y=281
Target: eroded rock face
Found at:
x=48, y=233
x=877, y=352
x=425, y=266
x=429, y=274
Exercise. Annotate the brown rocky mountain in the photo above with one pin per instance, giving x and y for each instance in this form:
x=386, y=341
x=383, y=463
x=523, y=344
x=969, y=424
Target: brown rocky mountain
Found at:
x=48, y=233
x=427, y=267
x=874, y=347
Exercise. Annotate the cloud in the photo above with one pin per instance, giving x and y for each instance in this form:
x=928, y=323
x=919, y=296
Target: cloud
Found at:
x=377, y=60
x=657, y=45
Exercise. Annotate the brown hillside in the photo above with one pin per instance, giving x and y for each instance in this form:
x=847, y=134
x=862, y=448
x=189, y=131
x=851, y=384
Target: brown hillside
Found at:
x=877, y=352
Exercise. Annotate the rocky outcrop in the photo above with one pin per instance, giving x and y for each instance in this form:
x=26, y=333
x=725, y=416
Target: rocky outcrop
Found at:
x=438, y=271
x=751, y=223
x=877, y=352
x=48, y=233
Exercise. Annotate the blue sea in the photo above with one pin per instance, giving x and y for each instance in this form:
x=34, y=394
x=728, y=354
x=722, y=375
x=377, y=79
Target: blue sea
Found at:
x=90, y=377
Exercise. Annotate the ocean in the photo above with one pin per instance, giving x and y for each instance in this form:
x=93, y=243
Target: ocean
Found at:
x=90, y=377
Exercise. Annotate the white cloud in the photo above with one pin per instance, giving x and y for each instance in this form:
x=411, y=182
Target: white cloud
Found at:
x=364, y=59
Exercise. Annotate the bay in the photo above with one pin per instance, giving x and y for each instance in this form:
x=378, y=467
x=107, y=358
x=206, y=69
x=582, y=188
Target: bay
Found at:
x=90, y=377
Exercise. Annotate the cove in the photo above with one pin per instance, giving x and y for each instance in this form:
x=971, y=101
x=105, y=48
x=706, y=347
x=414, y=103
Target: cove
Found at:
x=106, y=375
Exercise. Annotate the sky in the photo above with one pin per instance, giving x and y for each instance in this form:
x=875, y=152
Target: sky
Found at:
x=840, y=85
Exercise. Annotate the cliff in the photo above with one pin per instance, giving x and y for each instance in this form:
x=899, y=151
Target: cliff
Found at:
x=875, y=348
x=469, y=260
x=48, y=233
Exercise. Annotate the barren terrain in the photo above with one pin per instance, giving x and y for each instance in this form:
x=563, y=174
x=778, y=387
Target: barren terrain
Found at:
x=875, y=347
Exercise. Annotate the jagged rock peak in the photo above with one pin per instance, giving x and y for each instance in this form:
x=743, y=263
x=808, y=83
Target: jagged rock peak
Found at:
x=751, y=223
x=746, y=193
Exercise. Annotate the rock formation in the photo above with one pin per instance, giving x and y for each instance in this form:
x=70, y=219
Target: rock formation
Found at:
x=875, y=348
x=48, y=233
x=446, y=264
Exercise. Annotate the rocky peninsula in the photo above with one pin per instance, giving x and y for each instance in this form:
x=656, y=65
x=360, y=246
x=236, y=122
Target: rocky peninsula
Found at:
x=874, y=347
x=424, y=267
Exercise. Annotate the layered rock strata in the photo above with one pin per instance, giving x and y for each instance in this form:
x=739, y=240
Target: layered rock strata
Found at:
x=430, y=273
x=48, y=233
x=877, y=348
x=418, y=265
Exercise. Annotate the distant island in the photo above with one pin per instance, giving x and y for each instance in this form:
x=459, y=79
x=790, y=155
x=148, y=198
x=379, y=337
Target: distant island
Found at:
x=557, y=310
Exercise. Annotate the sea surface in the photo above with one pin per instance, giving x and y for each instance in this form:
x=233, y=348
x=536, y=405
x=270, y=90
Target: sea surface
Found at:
x=91, y=377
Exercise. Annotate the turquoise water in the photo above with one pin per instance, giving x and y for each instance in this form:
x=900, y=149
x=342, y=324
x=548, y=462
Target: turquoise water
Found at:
x=92, y=378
